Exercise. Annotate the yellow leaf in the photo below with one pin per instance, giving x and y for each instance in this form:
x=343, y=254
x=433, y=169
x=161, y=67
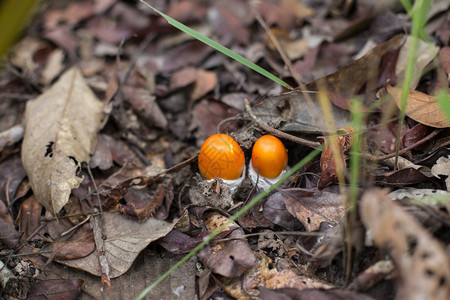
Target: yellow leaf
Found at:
x=420, y=107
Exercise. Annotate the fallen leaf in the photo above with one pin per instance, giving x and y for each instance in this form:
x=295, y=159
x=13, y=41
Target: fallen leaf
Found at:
x=316, y=294
x=350, y=79
x=372, y=275
x=292, y=112
x=12, y=174
x=206, y=82
x=9, y=235
x=189, y=53
x=178, y=242
x=312, y=207
x=442, y=167
x=275, y=210
x=328, y=161
x=183, y=78
x=60, y=133
x=11, y=136
x=420, y=107
x=54, y=66
x=425, y=53
x=145, y=106
x=230, y=258
x=187, y=11
x=29, y=218
x=261, y=275
x=54, y=289
x=125, y=239
x=273, y=13
x=209, y=113
x=226, y=17
x=422, y=261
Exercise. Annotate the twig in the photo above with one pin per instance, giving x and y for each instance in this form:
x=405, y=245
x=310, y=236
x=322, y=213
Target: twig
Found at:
x=277, y=132
x=404, y=150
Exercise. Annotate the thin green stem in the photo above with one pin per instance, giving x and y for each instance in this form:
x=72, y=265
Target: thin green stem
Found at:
x=355, y=157
x=418, y=15
x=220, y=48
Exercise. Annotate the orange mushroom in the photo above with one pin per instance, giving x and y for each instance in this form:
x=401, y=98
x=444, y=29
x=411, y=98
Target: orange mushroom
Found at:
x=269, y=156
x=221, y=156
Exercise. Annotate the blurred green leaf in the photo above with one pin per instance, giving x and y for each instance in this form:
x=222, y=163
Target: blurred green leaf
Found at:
x=14, y=15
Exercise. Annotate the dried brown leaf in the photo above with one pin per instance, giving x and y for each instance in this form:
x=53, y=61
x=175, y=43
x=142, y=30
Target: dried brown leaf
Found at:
x=29, y=217
x=230, y=258
x=61, y=132
x=245, y=287
x=425, y=53
x=420, y=107
x=350, y=79
x=56, y=289
x=206, y=82
x=423, y=262
x=312, y=207
x=125, y=239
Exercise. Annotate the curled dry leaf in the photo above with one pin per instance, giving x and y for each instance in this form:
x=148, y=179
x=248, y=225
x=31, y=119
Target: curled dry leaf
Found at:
x=423, y=262
x=420, y=107
x=11, y=136
x=231, y=258
x=125, y=239
x=246, y=286
x=60, y=133
x=312, y=207
x=442, y=168
x=328, y=162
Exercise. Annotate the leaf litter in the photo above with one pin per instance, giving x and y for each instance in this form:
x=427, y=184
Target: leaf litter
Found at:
x=143, y=99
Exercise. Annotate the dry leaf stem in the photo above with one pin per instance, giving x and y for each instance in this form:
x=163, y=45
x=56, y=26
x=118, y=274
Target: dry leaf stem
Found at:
x=277, y=132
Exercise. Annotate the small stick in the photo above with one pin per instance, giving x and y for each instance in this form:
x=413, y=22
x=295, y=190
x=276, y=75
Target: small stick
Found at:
x=277, y=132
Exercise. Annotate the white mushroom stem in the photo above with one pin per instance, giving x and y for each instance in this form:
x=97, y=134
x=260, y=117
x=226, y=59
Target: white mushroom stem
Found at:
x=263, y=182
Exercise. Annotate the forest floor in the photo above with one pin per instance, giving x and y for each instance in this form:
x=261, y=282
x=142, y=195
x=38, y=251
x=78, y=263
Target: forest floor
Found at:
x=104, y=107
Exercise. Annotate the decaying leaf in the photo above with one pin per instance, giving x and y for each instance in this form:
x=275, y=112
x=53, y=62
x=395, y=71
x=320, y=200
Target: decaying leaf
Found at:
x=56, y=289
x=61, y=132
x=316, y=294
x=206, y=82
x=125, y=239
x=442, y=167
x=328, y=162
x=313, y=207
x=422, y=261
x=246, y=286
x=351, y=78
x=420, y=107
x=231, y=258
x=425, y=53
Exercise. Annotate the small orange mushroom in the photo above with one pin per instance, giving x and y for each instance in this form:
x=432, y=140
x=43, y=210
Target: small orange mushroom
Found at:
x=221, y=156
x=269, y=156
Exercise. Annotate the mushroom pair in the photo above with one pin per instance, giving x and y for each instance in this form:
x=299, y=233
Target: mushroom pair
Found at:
x=221, y=156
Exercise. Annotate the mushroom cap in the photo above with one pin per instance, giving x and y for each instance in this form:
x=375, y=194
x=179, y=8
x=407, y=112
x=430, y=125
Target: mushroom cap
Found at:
x=221, y=156
x=269, y=156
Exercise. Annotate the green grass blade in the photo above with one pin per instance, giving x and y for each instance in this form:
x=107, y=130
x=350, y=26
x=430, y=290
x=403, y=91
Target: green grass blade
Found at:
x=355, y=154
x=220, y=48
x=252, y=203
x=418, y=16
x=444, y=102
